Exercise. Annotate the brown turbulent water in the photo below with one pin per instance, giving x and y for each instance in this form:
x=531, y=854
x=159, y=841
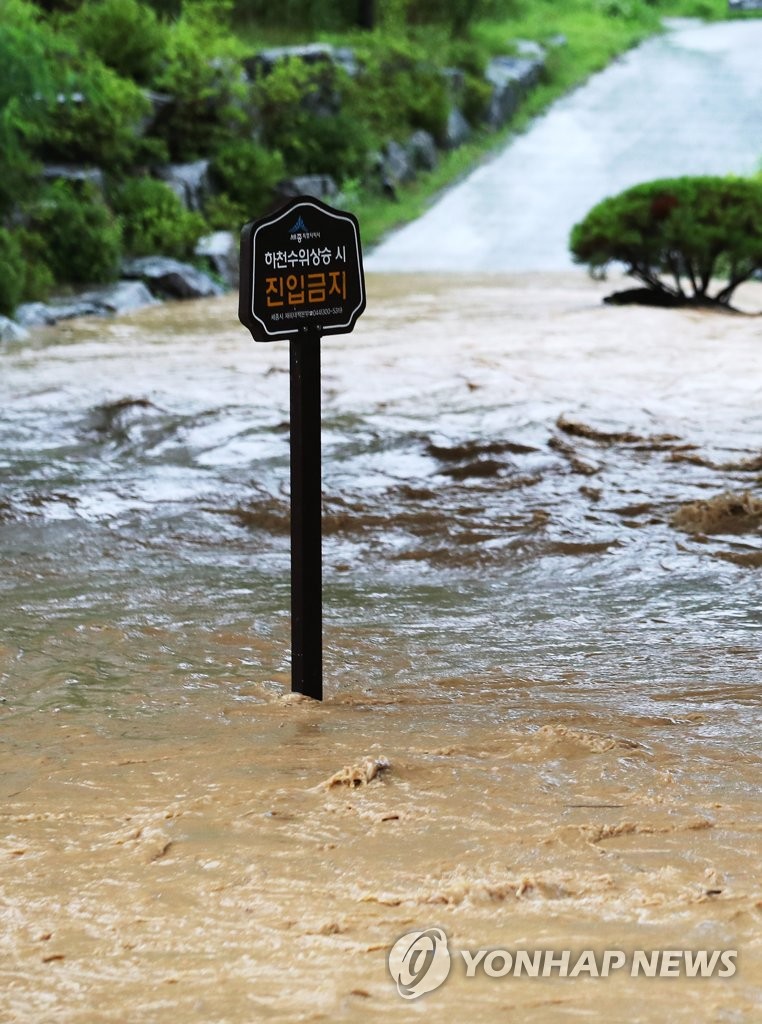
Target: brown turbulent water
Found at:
x=542, y=555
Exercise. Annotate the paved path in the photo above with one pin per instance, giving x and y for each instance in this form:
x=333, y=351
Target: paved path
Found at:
x=688, y=102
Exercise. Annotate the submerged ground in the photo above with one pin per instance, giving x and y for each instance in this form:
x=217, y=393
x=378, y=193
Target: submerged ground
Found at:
x=542, y=608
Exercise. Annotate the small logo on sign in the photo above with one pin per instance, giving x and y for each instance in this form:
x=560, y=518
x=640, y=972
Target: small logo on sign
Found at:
x=419, y=962
x=299, y=226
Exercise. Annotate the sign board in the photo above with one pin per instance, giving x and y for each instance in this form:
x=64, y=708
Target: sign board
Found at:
x=301, y=272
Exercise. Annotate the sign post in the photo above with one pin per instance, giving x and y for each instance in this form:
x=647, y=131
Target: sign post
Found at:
x=301, y=277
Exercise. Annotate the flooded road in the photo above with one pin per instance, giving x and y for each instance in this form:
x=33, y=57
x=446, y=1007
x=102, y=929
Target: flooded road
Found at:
x=542, y=554
x=688, y=102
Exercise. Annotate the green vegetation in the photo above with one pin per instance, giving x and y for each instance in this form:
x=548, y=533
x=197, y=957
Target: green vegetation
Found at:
x=154, y=219
x=677, y=236
x=129, y=85
x=82, y=236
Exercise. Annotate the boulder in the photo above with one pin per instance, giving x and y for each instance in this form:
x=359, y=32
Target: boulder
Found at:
x=122, y=297
x=458, y=129
x=396, y=166
x=221, y=251
x=422, y=150
x=510, y=78
x=190, y=182
x=168, y=278
x=10, y=330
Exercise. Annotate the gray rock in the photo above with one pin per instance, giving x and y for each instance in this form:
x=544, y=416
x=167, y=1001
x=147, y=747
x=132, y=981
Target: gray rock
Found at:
x=458, y=129
x=171, y=278
x=396, y=165
x=73, y=172
x=122, y=297
x=10, y=330
x=510, y=78
x=745, y=5
x=34, y=314
x=422, y=150
x=557, y=41
x=190, y=182
x=221, y=250
x=321, y=186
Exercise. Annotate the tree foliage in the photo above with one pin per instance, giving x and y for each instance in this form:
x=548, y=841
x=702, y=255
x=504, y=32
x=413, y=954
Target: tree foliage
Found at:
x=678, y=236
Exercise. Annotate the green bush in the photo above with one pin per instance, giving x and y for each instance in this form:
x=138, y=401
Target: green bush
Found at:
x=38, y=277
x=125, y=34
x=399, y=88
x=211, y=99
x=305, y=113
x=246, y=173
x=26, y=86
x=83, y=238
x=676, y=235
x=154, y=219
x=13, y=274
x=96, y=115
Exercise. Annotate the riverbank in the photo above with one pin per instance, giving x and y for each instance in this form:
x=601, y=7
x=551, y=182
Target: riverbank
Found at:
x=140, y=154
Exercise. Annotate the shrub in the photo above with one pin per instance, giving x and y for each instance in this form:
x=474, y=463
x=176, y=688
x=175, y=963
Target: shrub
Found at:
x=303, y=115
x=676, y=235
x=125, y=34
x=247, y=174
x=83, y=239
x=210, y=95
x=96, y=116
x=26, y=84
x=154, y=219
x=13, y=274
x=399, y=88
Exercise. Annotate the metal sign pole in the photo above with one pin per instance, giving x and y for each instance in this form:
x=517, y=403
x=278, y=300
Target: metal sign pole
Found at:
x=301, y=279
x=306, y=555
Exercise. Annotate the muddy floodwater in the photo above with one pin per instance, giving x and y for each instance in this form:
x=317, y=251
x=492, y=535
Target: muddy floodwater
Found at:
x=543, y=646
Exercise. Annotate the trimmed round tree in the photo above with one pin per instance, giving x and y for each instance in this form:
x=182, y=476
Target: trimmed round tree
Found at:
x=681, y=237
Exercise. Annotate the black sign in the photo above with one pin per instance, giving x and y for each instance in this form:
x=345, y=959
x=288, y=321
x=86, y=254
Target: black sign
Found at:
x=301, y=272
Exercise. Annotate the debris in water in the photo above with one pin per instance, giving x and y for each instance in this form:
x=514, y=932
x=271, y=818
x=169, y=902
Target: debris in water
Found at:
x=725, y=513
x=359, y=774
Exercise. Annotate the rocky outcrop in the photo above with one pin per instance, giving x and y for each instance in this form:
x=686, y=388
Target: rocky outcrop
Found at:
x=190, y=182
x=119, y=298
x=458, y=129
x=172, y=279
x=221, y=251
x=511, y=78
x=11, y=330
